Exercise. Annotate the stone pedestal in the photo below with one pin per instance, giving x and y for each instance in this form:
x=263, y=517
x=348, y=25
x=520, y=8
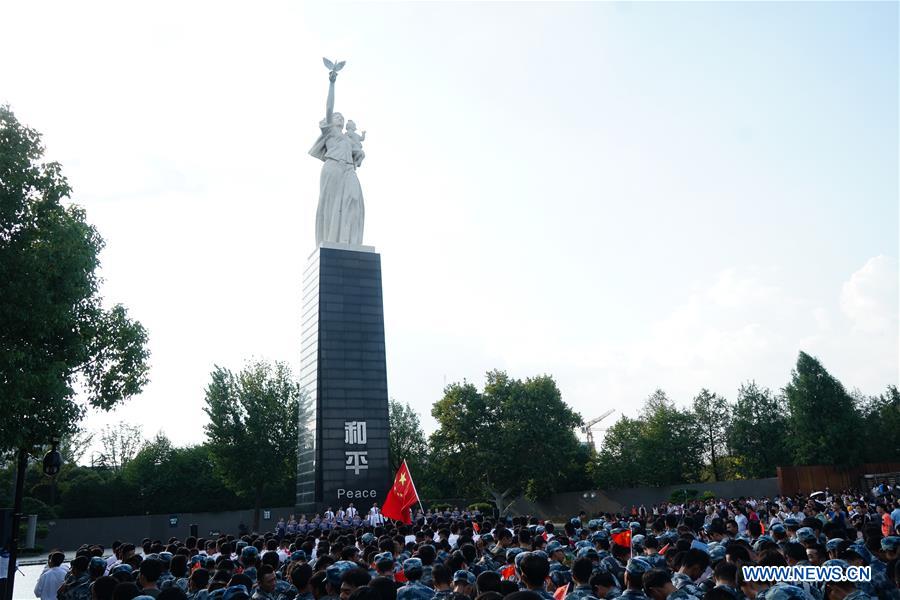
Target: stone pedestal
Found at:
x=343, y=453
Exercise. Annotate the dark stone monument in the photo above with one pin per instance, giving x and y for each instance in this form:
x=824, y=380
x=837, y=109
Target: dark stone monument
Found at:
x=343, y=453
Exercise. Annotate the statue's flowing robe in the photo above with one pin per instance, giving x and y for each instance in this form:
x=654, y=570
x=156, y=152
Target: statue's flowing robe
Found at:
x=341, y=213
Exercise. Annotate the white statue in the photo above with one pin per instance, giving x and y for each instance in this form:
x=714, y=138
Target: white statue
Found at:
x=356, y=140
x=341, y=213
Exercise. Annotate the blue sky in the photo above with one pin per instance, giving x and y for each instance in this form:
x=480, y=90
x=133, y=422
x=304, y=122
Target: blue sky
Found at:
x=623, y=195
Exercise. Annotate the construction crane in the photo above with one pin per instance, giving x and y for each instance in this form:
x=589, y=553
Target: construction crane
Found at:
x=586, y=429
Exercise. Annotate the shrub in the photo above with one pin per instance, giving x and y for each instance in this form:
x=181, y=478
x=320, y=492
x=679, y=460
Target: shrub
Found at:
x=683, y=495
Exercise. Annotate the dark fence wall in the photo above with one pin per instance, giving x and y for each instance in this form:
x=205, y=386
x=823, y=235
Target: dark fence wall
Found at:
x=69, y=534
x=812, y=478
x=571, y=503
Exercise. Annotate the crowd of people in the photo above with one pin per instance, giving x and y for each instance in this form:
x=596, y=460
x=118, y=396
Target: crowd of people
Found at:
x=691, y=551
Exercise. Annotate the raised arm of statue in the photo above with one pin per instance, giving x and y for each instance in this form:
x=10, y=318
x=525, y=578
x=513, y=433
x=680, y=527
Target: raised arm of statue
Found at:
x=329, y=104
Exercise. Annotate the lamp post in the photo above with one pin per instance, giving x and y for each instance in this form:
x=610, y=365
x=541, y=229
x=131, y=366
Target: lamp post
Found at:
x=52, y=463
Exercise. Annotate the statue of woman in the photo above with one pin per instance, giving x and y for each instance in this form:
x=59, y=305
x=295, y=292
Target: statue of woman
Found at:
x=341, y=214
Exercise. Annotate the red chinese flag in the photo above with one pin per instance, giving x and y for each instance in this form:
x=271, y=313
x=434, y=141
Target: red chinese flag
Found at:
x=401, y=497
x=623, y=538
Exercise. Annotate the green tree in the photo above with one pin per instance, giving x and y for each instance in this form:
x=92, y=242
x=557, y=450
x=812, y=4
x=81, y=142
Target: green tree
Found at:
x=120, y=443
x=407, y=440
x=881, y=425
x=662, y=446
x=671, y=447
x=169, y=479
x=54, y=330
x=253, y=430
x=758, y=431
x=712, y=415
x=514, y=437
x=619, y=459
x=823, y=416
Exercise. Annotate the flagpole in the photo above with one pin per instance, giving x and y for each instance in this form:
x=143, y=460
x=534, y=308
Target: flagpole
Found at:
x=413, y=483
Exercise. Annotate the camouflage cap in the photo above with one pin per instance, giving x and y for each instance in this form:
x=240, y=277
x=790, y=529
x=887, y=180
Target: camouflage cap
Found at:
x=554, y=546
x=412, y=565
x=600, y=535
x=236, y=592
x=757, y=545
x=638, y=541
x=560, y=576
x=833, y=544
x=463, y=575
x=520, y=557
x=123, y=568
x=717, y=552
x=513, y=552
x=298, y=555
x=806, y=534
x=367, y=538
x=487, y=538
x=334, y=572
x=97, y=562
x=860, y=548
x=891, y=543
x=783, y=591
x=637, y=566
x=777, y=528
x=588, y=552
x=791, y=523
x=836, y=562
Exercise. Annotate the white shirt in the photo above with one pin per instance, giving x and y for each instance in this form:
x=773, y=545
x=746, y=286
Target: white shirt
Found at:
x=741, y=521
x=49, y=582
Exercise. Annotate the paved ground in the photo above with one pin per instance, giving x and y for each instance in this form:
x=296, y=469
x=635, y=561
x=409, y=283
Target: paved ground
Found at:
x=26, y=578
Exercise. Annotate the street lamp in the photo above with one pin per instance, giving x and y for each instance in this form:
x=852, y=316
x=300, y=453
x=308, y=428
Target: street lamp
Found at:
x=52, y=461
x=51, y=466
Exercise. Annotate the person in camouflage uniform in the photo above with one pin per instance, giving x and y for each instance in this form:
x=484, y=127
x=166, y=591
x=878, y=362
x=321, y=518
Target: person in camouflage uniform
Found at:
x=77, y=585
x=534, y=570
x=693, y=564
x=148, y=576
x=441, y=582
x=657, y=584
x=300, y=575
x=197, y=583
x=266, y=581
x=165, y=578
x=464, y=582
x=582, y=569
x=414, y=589
x=634, y=579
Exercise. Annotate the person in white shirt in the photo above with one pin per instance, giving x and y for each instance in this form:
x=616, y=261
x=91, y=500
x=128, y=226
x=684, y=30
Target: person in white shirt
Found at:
x=351, y=511
x=375, y=516
x=52, y=578
x=741, y=519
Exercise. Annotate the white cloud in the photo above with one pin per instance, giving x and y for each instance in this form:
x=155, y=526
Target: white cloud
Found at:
x=869, y=297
